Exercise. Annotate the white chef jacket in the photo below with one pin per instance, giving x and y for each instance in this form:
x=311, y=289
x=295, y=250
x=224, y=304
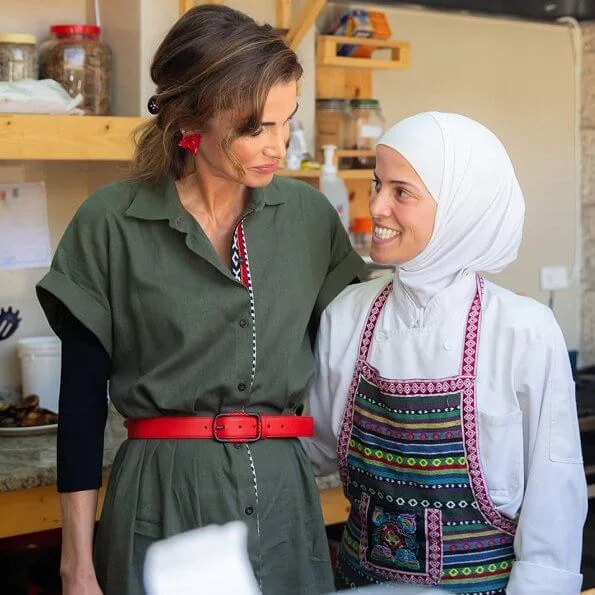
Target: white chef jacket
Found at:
x=529, y=441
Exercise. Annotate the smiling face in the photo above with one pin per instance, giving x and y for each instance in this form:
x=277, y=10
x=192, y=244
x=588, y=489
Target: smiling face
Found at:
x=402, y=209
x=259, y=154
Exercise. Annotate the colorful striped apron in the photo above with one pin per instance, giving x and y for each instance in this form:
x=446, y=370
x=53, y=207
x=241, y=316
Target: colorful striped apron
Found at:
x=410, y=466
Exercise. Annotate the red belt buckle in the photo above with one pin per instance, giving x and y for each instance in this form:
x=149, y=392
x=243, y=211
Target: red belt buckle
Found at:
x=219, y=427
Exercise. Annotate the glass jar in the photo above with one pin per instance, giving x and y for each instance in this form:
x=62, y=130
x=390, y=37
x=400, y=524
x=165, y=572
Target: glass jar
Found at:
x=367, y=126
x=76, y=58
x=332, y=118
x=18, y=57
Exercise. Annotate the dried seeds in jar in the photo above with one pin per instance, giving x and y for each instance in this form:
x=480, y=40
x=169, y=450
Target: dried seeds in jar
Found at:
x=18, y=57
x=76, y=58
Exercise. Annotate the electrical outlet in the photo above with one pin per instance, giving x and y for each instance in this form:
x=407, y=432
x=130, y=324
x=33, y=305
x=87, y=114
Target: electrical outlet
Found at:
x=554, y=278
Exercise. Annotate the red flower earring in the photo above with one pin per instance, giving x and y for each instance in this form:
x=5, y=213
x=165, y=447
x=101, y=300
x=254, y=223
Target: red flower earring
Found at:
x=190, y=142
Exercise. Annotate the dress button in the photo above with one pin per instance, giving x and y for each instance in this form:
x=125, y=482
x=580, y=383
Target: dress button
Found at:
x=241, y=387
x=237, y=445
x=381, y=336
x=248, y=510
x=178, y=221
x=447, y=346
x=243, y=323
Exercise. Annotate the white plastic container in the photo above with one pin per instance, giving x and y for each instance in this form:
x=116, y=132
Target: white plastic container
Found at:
x=333, y=186
x=40, y=369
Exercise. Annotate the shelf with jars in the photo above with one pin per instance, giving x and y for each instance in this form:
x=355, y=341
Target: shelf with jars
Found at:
x=76, y=138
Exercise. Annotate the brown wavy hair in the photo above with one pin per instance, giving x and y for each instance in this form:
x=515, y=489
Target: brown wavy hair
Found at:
x=214, y=59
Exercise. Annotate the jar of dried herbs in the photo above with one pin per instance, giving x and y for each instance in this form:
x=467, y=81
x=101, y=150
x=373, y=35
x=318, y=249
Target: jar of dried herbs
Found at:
x=18, y=57
x=76, y=58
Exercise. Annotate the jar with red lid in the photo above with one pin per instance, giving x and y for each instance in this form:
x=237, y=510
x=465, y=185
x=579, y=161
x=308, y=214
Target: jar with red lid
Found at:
x=75, y=57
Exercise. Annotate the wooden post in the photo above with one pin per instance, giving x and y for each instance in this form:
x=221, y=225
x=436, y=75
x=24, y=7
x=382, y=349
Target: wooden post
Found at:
x=306, y=18
x=283, y=20
x=186, y=5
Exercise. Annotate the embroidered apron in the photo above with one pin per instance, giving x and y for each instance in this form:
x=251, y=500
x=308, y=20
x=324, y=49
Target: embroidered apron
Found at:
x=409, y=462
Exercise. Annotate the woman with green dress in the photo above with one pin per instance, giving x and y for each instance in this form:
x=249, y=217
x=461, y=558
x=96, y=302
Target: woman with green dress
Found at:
x=196, y=288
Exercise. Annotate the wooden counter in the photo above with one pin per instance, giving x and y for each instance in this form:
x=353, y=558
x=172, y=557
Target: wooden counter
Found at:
x=29, y=501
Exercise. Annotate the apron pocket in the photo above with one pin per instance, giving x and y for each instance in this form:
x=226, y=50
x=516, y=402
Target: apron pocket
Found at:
x=402, y=545
x=501, y=455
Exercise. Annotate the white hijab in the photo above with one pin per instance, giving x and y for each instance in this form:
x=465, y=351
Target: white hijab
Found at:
x=481, y=210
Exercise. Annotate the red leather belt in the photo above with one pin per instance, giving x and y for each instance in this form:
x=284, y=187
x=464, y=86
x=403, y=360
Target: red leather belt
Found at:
x=225, y=427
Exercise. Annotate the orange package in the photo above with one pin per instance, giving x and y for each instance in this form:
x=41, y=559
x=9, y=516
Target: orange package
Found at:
x=381, y=29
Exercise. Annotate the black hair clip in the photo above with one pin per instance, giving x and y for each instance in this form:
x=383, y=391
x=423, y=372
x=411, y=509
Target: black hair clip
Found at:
x=153, y=106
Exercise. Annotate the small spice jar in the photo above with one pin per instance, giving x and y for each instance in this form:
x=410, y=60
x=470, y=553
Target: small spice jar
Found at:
x=332, y=118
x=76, y=58
x=18, y=57
x=367, y=126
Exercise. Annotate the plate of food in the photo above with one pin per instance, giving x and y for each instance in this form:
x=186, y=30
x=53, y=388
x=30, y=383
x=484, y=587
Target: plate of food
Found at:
x=26, y=418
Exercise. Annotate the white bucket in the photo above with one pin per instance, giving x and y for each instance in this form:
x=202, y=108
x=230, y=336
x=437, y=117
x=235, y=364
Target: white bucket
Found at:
x=40, y=369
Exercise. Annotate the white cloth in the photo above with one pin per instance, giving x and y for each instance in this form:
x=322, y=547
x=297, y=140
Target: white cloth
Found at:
x=528, y=430
x=211, y=560
x=481, y=210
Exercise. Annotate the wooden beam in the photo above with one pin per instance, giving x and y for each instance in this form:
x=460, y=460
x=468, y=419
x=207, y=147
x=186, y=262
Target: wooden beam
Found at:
x=353, y=83
x=186, y=5
x=283, y=20
x=305, y=19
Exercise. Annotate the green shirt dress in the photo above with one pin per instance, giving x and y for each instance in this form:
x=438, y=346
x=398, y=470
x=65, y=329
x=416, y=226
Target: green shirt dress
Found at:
x=189, y=336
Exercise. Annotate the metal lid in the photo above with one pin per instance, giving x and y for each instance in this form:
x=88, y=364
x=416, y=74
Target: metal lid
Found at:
x=18, y=38
x=365, y=103
x=332, y=103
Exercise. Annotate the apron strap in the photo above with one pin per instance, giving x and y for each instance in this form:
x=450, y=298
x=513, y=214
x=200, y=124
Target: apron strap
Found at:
x=371, y=321
x=471, y=342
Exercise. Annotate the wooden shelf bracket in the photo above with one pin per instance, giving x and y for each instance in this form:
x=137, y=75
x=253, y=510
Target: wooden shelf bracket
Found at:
x=305, y=19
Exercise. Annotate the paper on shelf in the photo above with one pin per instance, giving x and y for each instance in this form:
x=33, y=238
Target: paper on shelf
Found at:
x=37, y=97
x=24, y=230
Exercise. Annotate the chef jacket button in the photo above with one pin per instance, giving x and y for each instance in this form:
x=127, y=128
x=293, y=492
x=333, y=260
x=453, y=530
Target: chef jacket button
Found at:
x=241, y=387
x=249, y=510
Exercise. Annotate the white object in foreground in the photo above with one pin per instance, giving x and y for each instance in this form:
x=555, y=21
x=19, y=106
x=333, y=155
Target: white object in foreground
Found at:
x=212, y=561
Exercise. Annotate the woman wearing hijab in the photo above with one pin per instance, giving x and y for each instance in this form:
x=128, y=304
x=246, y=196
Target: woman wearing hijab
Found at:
x=447, y=401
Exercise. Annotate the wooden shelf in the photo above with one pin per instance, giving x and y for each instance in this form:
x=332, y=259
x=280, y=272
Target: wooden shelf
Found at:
x=354, y=153
x=326, y=53
x=77, y=138
x=356, y=174
x=38, y=509
x=298, y=173
x=346, y=174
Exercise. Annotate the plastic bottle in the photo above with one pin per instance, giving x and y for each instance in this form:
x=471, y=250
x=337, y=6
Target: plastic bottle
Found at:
x=333, y=187
x=297, y=145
